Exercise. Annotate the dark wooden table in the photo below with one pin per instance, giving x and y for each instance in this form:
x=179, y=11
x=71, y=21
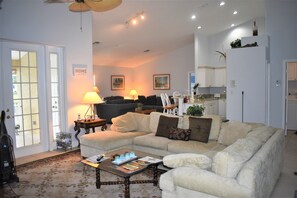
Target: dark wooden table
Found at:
x=87, y=125
x=109, y=167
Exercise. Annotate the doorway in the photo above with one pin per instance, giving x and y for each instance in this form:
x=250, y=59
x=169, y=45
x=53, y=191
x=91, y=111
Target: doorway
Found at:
x=27, y=96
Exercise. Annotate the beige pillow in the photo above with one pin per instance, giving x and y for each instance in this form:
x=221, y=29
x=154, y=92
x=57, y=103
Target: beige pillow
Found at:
x=188, y=160
x=142, y=121
x=232, y=131
x=124, y=123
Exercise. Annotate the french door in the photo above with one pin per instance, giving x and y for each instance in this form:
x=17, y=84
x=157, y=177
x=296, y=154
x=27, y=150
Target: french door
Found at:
x=26, y=96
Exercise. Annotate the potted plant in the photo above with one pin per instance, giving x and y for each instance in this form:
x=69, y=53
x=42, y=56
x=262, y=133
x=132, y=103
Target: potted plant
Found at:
x=195, y=110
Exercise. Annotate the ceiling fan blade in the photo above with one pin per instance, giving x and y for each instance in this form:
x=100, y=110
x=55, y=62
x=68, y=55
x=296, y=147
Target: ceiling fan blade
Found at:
x=79, y=7
x=102, y=5
x=59, y=1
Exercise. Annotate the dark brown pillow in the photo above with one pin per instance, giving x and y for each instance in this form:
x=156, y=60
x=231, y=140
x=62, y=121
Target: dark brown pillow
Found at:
x=165, y=124
x=179, y=134
x=200, y=128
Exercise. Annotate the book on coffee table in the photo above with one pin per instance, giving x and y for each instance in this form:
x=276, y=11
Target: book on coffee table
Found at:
x=133, y=166
x=150, y=160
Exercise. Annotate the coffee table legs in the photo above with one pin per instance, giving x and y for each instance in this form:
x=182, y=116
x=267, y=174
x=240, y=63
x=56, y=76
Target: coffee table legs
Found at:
x=127, y=187
x=98, y=182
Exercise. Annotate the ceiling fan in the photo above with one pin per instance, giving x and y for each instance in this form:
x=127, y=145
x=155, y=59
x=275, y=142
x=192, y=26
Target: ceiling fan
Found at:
x=88, y=5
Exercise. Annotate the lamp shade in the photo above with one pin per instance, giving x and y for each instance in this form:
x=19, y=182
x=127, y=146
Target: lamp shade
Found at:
x=133, y=92
x=91, y=97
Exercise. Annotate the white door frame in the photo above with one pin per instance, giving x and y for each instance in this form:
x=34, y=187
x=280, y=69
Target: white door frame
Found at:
x=285, y=94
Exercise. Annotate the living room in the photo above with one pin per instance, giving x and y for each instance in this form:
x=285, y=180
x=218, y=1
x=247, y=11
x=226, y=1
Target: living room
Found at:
x=55, y=26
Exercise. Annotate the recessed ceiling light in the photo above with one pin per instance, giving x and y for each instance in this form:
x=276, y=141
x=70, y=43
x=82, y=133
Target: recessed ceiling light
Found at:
x=232, y=25
x=222, y=3
x=235, y=12
x=193, y=17
x=199, y=27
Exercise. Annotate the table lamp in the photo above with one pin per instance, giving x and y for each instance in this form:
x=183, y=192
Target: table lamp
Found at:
x=91, y=98
x=133, y=93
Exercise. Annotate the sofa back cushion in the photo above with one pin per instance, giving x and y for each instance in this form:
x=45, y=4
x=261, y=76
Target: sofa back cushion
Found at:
x=262, y=133
x=232, y=131
x=215, y=125
x=124, y=123
x=142, y=121
x=154, y=120
x=228, y=162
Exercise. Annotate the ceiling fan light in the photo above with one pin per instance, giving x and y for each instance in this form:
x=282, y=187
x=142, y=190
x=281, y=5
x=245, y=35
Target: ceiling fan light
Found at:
x=78, y=7
x=102, y=5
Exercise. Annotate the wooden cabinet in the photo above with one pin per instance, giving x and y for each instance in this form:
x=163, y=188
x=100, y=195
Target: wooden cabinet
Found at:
x=292, y=115
x=205, y=76
x=292, y=71
x=220, y=77
x=211, y=107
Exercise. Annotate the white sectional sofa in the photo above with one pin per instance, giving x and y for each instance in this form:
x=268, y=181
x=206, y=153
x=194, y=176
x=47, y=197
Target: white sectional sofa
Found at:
x=246, y=158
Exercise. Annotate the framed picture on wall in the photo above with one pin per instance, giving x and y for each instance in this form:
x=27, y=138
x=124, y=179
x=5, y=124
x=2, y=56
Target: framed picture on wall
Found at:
x=117, y=82
x=161, y=81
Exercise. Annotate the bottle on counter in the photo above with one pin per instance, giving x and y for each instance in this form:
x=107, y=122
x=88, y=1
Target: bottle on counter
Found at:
x=255, y=29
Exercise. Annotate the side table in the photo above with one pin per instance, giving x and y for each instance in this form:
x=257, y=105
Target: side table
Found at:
x=87, y=124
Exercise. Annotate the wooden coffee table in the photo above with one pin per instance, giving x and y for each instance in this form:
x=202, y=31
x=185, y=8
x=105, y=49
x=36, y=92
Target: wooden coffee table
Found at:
x=109, y=167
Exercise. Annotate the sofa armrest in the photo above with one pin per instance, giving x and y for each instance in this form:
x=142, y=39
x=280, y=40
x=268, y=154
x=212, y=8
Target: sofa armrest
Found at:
x=197, y=179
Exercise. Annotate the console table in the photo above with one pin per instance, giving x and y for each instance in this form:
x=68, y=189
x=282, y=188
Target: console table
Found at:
x=87, y=125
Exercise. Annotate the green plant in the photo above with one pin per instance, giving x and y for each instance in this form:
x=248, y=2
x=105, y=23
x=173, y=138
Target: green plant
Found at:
x=195, y=110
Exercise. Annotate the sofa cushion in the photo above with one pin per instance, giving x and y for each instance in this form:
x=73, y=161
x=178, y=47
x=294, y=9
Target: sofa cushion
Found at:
x=109, y=140
x=151, y=100
x=200, y=128
x=154, y=120
x=232, y=131
x=142, y=121
x=187, y=160
x=165, y=124
x=209, y=149
x=124, y=123
x=262, y=133
x=141, y=99
x=152, y=141
x=215, y=125
x=179, y=134
x=227, y=163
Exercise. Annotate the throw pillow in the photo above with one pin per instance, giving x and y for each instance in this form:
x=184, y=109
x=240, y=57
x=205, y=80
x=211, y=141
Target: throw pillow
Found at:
x=141, y=99
x=179, y=134
x=200, y=128
x=124, y=123
x=165, y=124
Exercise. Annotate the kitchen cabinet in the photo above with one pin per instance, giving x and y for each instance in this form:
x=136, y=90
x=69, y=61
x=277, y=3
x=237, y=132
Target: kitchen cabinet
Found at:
x=220, y=76
x=292, y=115
x=292, y=71
x=211, y=107
x=205, y=76
x=222, y=107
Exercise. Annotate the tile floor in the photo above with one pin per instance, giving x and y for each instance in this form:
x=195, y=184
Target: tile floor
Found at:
x=285, y=187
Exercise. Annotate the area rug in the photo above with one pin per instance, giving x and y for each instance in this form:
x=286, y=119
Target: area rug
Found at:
x=66, y=176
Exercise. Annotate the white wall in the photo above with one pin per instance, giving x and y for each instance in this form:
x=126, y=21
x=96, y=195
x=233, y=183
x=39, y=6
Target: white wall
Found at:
x=281, y=27
x=52, y=24
x=176, y=63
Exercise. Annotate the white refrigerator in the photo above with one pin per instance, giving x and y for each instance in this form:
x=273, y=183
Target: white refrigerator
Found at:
x=247, y=88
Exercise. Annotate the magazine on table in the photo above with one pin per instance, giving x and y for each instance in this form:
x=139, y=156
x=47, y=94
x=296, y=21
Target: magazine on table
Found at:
x=150, y=160
x=133, y=166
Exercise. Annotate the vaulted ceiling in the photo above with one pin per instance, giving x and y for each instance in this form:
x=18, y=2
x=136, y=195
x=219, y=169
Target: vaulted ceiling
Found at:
x=168, y=25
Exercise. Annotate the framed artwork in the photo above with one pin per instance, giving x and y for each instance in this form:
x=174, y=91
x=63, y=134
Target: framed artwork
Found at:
x=117, y=82
x=79, y=70
x=161, y=81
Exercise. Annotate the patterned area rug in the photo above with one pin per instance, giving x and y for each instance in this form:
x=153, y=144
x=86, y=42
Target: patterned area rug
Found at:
x=66, y=176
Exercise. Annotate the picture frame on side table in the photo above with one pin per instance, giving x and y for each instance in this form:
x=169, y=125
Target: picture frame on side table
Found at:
x=117, y=82
x=161, y=81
